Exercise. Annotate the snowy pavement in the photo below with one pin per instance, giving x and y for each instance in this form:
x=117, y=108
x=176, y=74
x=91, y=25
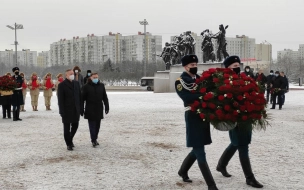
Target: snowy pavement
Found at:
x=142, y=145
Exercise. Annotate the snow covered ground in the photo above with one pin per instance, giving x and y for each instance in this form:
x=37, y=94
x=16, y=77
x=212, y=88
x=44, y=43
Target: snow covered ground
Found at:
x=142, y=145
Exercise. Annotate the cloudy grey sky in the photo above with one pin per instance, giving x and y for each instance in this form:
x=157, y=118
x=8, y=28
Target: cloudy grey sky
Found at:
x=280, y=22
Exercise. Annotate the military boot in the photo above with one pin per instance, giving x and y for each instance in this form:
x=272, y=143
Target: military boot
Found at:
x=250, y=179
x=224, y=160
x=186, y=165
x=15, y=115
x=207, y=176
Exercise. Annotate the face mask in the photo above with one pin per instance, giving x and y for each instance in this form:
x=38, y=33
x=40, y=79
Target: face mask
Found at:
x=89, y=74
x=95, y=81
x=237, y=70
x=16, y=73
x=271, y=73
x=247, y=70
x=71, y=77
x=193, y=70
x=276, y=75
x=76, y=71
x=48, y=77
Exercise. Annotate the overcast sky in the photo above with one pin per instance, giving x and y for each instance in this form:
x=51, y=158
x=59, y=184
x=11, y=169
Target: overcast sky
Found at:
x=280, y=22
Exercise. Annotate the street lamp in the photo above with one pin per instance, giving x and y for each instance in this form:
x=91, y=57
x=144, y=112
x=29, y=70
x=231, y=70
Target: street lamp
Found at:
x=146, y=52
x=15, y=27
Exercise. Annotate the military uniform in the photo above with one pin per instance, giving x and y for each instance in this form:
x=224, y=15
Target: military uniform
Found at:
x=17, y=97
x=47, y=86
x=240, y=138
x=197, y=130
x=34, y=86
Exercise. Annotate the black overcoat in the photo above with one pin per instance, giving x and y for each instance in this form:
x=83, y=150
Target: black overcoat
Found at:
x=69, y=101
x=17, y=97
x=197, y=130
x=94, y=97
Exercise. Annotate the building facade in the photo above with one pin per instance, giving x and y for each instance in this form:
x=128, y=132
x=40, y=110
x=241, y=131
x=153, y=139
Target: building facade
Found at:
x=25, y=57
x=43, y=59
x=98, y=49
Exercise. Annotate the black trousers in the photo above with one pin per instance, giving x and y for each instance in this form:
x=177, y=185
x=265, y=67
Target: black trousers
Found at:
x=94, y=129
x=6, y=109
x=280, y=99
x=267, y=96
x=69, y=131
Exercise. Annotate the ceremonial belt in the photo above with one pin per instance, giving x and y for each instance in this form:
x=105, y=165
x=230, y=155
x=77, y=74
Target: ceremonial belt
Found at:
x=187, y=108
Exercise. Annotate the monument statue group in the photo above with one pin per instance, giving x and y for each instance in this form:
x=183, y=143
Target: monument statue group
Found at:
x=213, y=47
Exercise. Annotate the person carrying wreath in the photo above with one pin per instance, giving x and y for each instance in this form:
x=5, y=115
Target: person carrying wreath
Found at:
x=34, y=86
x=47, y=86
x=197, y=130
x=240, y=138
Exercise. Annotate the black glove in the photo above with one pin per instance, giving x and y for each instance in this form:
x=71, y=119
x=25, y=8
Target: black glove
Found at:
x=107, y=111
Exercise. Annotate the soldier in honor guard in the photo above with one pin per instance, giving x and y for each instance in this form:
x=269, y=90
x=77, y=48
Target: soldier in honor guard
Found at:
x=17, y=97
x=24, y=90
x=240, y=138
x=197, y=130
x=59, y=80
x=34, y=86
x=47, y=86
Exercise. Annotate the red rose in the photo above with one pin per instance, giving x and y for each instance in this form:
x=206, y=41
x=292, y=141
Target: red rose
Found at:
x=222, y=88
x=235, y=76
x=257, y=101
x=235, y=104
x=206, y=75
x=216, y=80
x=212, y=70
x=235, y=113
x=202, y=90
x=221, y=97
x=250, y=108
x=229, y=95
x=226, y=81
x=212, y=106
x=235, y=83
x=202, y=116
x=219, y=112
x=228, y=87
x=242, y=108
x=246, y=94
x=226, y=76
x=242, y=83
x=208, y=96
x=227, y=107
x=212, y=117
x=244, y=118
x=204, y=104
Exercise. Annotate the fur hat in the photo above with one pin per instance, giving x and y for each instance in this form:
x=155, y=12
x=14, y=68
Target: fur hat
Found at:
x=189, y=59
x=15, y=68
x=230, y=60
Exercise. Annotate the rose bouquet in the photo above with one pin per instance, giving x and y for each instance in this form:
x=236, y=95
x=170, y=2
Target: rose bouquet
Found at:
x=228, y=99
x=7, y=85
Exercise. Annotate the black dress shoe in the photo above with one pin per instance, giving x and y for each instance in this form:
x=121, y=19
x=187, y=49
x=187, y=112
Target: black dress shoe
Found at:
x=254, y=183
x=94, y=144
x=70, y=148
x=185, y=177
x=18, y=119
x=280, y=108
x=72, y=145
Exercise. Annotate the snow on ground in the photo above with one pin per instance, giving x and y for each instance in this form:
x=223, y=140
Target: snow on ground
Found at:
x=142, y=145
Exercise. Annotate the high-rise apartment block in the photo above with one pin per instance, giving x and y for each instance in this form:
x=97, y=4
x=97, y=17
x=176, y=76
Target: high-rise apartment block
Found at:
x=98, y=49
x=25, y=57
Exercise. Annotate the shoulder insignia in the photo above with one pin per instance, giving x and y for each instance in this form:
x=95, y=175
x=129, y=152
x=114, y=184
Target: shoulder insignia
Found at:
x=178, y=78
x=179, y=87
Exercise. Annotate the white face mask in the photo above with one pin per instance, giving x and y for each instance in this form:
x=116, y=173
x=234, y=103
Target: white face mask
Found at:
x=71, y=77
x=76, y=71
x=247, y=70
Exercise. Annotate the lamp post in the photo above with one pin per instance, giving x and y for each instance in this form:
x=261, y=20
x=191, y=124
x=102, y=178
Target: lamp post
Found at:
x=145, y=22
x=15, y=27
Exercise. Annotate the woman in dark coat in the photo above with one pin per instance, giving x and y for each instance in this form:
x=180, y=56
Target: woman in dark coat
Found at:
x=94, y=97
x=197, y=130
x=70, y=107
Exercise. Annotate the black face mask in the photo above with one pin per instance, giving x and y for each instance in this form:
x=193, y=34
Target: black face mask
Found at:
x=16, y=73
x=237, y=70
x=193, y=70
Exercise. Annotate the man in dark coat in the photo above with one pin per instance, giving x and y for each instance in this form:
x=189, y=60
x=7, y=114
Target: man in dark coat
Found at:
x=85, y=79
x=70, y=107
x=278, y=86
x=269, y=79
x=248, y=72
x=197, y=130
x=17, y=97
x=94, y=96
x=240, y=138
x=287, y=86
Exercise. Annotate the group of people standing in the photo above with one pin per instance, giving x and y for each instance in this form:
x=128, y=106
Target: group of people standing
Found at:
x=77, y=95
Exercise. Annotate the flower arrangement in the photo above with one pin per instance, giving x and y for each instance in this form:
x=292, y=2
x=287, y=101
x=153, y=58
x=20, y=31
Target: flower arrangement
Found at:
x=274, y=90
x=7, y=85
x=228, y=99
